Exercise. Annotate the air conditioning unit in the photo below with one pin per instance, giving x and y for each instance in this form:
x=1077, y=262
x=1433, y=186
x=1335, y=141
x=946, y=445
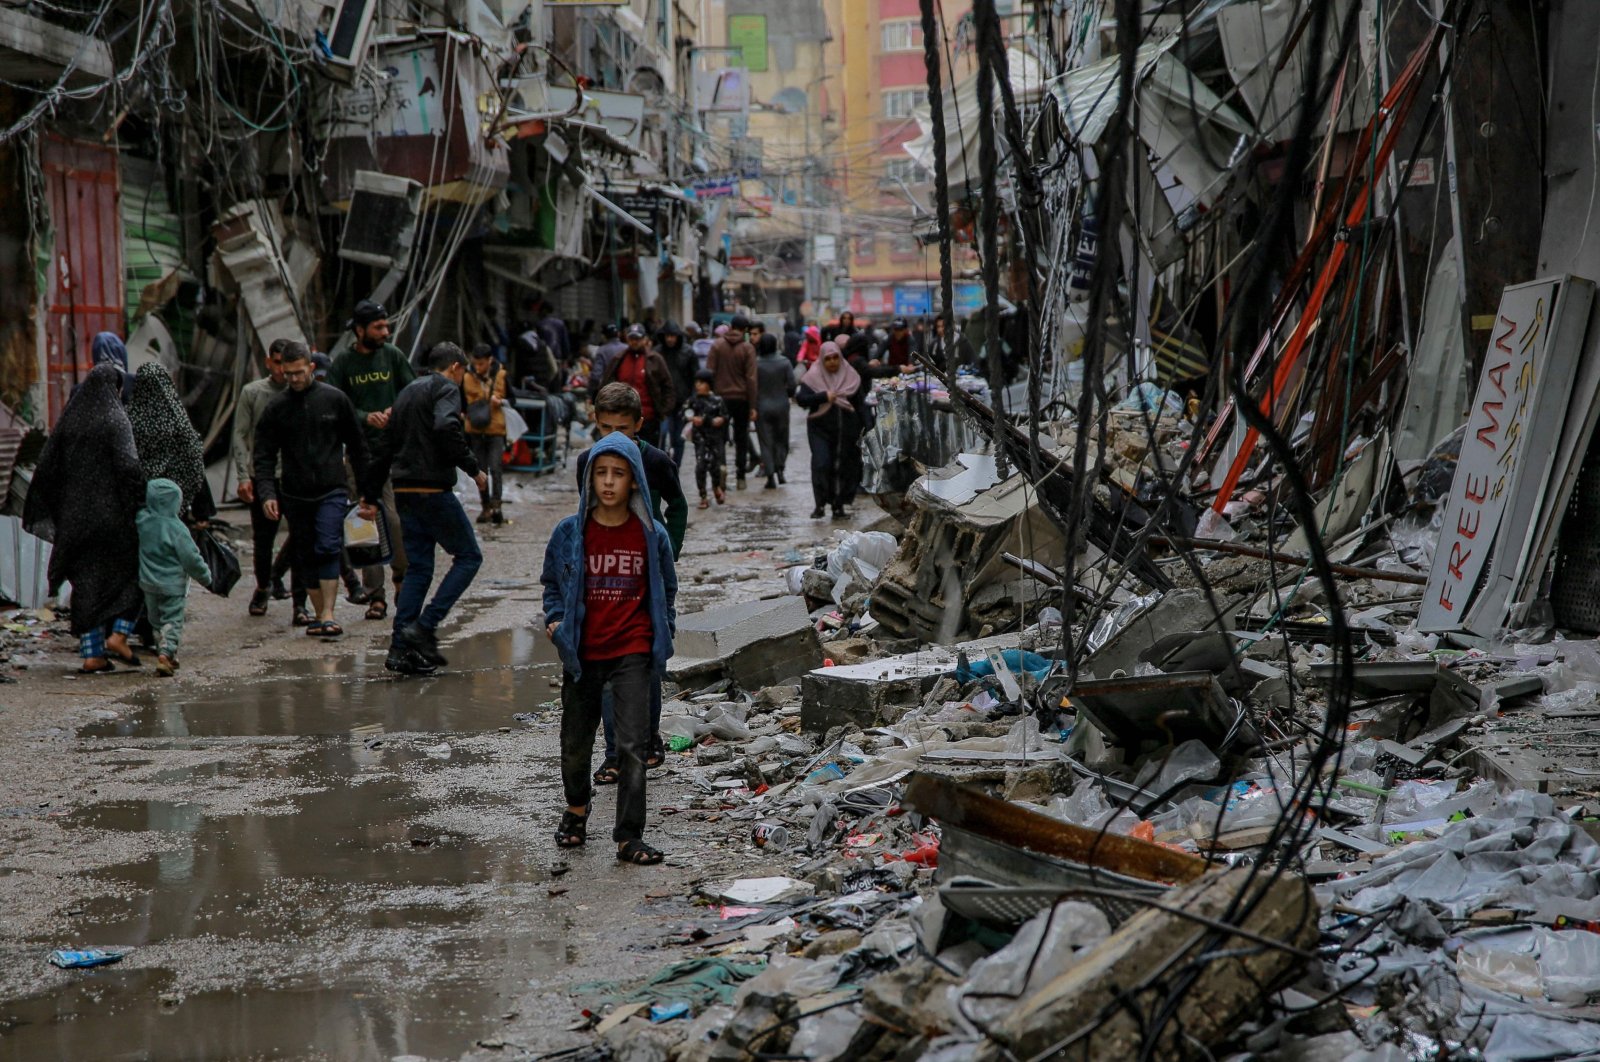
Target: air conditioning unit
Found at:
x=383, y=220
x=347, y=33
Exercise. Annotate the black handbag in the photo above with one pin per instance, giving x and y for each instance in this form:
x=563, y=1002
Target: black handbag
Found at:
x=220, y=558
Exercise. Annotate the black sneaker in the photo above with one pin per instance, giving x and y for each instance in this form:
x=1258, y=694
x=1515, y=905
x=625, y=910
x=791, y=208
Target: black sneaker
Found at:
x=497, y=518
x=407, y=661
x=425, y=644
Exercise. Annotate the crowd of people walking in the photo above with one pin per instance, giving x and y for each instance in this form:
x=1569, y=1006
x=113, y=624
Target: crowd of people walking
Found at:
x=358, y=457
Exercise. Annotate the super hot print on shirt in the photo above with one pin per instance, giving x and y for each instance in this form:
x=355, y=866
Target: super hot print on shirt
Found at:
x=616, y=621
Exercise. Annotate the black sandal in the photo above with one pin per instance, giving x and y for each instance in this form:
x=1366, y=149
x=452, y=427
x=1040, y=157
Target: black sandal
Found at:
x=574, y=829
x=657, y=754
x=639, y=854
x=377, y=609
x=303, y=618
x=258, y=602
x=608, y=774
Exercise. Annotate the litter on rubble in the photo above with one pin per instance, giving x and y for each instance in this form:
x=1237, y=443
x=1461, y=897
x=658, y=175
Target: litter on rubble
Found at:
x=760, y=892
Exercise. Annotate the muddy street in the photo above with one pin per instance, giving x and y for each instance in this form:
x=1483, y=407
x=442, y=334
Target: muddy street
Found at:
x=306, y=856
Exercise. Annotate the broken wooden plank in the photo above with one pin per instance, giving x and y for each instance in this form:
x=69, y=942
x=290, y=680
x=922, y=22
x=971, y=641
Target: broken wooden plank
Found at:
x=1007, y=823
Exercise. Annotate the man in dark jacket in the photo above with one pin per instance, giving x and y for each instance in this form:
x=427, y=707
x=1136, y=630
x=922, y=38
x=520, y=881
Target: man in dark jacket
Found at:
x=733, y=367
x=311, y=426
x=680, y=357
x=604, y=356
x=642, y=369
x=372, y=373
x=422, y=449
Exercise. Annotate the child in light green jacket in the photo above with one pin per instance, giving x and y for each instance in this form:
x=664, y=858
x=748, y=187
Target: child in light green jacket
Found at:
x=167, y=557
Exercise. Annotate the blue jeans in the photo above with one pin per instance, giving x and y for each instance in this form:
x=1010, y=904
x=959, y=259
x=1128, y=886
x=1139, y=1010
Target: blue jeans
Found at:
x=426, y=521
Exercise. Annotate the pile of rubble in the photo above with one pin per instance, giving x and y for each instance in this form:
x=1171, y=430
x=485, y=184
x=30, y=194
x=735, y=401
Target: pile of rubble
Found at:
x=1177, y=828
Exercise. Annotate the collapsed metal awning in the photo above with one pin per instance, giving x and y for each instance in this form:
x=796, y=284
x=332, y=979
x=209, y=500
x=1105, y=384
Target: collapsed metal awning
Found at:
x=618, y=211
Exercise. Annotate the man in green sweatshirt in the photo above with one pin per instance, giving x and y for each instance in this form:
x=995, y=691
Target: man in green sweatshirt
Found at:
x=372, y=372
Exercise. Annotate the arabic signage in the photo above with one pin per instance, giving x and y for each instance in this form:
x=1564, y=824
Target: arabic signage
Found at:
x=717, y=188
x=1491, y=453
x=913, y=302
x=749, y=32
x=968, y=299
x=644, y=205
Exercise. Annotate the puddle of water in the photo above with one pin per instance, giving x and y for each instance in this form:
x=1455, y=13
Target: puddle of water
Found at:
x=491, y=677
x=120, y=1014
x=275, y=875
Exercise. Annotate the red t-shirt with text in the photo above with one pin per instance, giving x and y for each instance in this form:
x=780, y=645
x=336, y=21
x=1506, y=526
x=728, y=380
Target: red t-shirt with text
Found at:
x=616, y=620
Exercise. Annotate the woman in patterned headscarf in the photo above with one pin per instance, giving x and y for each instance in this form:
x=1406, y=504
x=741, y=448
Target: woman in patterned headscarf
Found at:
x=86, y=491
x=168, y=445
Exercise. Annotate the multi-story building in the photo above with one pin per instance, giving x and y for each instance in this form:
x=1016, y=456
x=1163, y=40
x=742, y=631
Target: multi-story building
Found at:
x=878, y=46
x=778, y=144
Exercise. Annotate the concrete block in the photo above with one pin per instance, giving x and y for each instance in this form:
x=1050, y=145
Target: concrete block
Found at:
x=757, y=643
x=870, y=694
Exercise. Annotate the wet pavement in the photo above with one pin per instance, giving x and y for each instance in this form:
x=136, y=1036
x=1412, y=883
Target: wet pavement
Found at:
x=358, y=851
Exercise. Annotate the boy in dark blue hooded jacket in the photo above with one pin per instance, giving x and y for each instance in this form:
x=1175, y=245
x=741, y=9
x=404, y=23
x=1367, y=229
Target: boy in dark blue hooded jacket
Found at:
x=609, y=589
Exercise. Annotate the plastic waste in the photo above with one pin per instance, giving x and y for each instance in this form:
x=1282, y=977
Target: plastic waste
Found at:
x=85, y=959
x=758, y=892
x=1042, y=950
x=1190, y=761
x=679, y=743
x=725, y=722
x=1109, y=623
x=668, y=1011
x=873, y=548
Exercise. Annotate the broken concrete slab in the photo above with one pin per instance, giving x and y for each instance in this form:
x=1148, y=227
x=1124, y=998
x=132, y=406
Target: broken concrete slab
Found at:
x=756, y=643
x=1164, y=709
x=1102, y=1005
x=872, y=694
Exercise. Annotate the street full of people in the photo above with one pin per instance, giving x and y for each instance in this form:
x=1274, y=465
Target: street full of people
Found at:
x=349, y=467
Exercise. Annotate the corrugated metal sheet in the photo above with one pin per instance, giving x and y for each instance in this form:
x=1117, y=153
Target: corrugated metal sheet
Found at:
x=152, y=241
x=85, y=271
x=24, y=564
x=10, y=446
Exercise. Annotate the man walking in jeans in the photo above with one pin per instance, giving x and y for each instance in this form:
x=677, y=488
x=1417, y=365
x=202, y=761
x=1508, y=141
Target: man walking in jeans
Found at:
x=732, y=364
x=422, y=448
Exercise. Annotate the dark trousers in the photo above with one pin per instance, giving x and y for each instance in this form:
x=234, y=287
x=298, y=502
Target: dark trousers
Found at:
x=630, y=681
x=316, y=535
x=772, y=429
x=672, y=439
x=739, y=423
x=263, y=535
x=488, y=450
x=650, y=431
x=710, y=457
x=835, y=465
x=426, y=521
x=607, y=714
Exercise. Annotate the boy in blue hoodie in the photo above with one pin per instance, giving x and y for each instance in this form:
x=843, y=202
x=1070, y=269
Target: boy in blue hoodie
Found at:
x=609, y=590
x=167, y=557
